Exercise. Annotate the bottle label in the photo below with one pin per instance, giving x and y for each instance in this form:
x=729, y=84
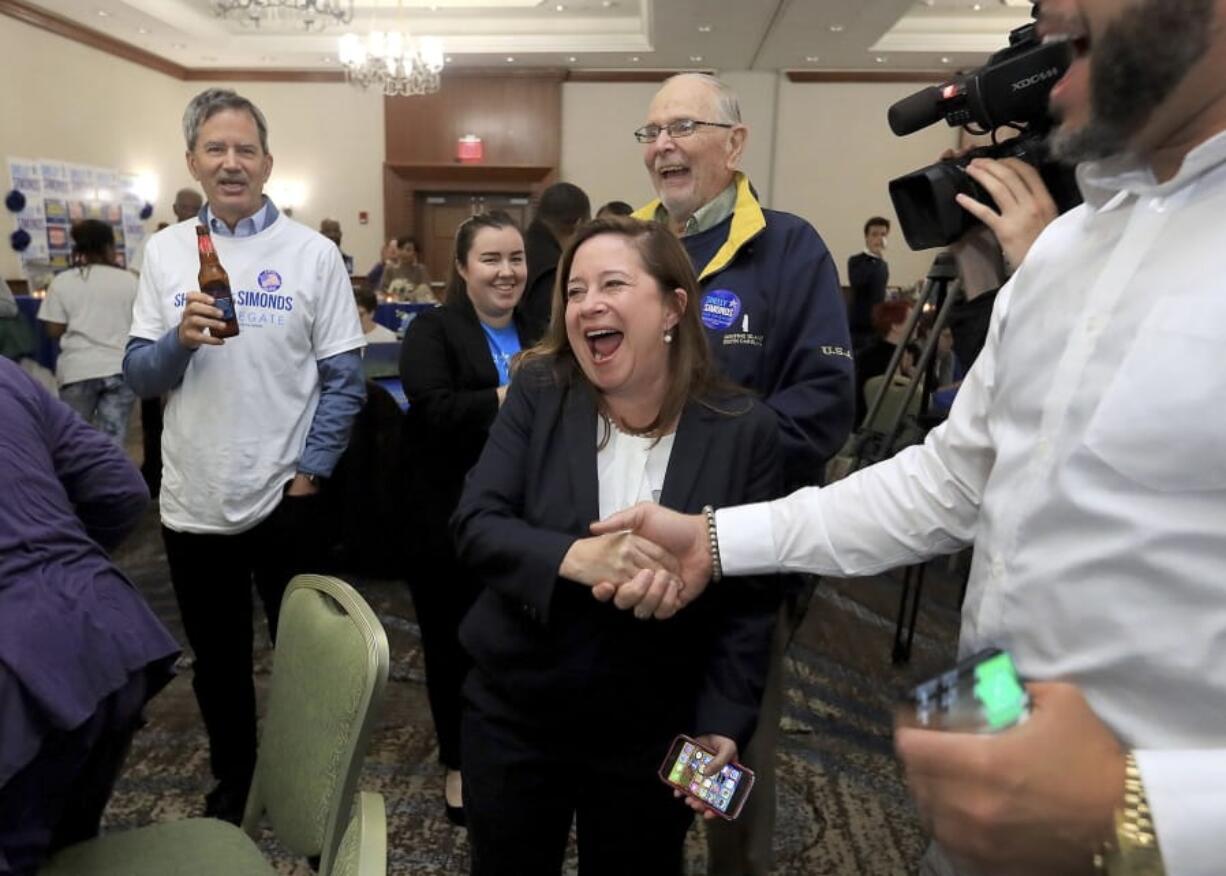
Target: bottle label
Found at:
x=204, y=244
x=226, y=306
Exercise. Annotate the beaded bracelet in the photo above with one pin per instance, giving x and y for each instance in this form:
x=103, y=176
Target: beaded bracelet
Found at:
x=717, y=568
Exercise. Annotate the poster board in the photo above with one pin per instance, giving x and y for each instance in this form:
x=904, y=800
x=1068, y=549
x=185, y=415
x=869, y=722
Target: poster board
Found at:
x=58, y=194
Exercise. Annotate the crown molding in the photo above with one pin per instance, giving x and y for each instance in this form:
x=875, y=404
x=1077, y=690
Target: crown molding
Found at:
x=865, y=76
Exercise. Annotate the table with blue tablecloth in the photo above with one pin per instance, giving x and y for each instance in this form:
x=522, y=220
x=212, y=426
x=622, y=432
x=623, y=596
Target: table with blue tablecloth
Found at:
x=397, y=315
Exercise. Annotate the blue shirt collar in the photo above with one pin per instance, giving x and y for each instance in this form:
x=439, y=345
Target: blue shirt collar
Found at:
x=248, y=227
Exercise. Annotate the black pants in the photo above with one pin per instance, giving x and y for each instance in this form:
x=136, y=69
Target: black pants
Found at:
x=523, y=784
x=212, y=577
x=57, y=799
x=151, y=441
x=442, y=595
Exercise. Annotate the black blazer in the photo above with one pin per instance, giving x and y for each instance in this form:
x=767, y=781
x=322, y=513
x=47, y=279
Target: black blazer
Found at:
x=451, y=384
x=548, y=648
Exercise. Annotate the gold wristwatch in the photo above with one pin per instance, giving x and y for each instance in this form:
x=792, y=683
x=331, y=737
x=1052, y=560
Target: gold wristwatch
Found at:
x=1134, y=850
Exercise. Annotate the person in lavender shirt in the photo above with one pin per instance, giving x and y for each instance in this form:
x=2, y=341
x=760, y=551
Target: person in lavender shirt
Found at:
x=80, y=650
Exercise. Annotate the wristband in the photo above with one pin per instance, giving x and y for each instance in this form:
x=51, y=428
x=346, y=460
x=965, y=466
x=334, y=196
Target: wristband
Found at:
x=717, y=568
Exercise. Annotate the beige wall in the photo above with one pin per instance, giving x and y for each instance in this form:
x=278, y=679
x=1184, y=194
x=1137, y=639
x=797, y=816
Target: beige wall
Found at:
x=834, y=158
x=822, y=151
x=599, y=152
x=76, y=104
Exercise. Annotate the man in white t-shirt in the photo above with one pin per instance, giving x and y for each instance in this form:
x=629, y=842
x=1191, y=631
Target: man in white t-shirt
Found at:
x=252, y=423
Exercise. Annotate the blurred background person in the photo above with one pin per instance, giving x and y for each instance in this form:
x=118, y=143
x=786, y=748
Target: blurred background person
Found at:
x=571, y=705
x=367, y=304
x=614, y=208
x=331, y=229
x=868, y=273
x=889, y=324
x=89, y=308
x=455, y=368
x=403, y=277
x=562, y=209
x=70, y=699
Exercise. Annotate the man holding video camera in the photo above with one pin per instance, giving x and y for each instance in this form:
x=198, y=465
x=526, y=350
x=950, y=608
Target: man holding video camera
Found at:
x=1085, y=459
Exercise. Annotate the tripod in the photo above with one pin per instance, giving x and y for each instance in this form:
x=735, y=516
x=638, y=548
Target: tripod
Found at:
x=874, y=442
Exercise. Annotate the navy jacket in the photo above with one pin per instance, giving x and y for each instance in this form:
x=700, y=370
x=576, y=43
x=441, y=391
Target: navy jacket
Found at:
x=777, y=325
x=554, y=654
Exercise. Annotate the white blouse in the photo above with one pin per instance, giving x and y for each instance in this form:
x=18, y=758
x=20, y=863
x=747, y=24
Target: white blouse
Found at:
x=630, y=469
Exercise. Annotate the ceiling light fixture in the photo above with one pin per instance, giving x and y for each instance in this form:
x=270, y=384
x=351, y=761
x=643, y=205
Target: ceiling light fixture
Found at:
x=697, y=59
x=572, y=59
x=704, y=28
x=394, y=62
x=812, y=59
x=102, y=13
x=836, y=28
x=311, y=14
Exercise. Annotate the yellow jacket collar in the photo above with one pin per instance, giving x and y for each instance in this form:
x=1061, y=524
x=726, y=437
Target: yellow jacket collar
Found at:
x=748, y=222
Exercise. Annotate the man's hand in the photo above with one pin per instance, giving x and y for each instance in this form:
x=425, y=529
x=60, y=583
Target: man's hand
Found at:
x=301, y=485
x=501, y=392
x=199, y=314
x=1025, y=206
x=1038, y=798
x=618, y=556
x=725, y=753
x=682, y=535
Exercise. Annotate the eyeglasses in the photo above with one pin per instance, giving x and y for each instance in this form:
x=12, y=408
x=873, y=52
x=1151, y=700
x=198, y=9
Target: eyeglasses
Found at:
x=676, y=130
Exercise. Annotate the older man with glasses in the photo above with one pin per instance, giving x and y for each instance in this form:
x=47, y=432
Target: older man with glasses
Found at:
x=776, y=323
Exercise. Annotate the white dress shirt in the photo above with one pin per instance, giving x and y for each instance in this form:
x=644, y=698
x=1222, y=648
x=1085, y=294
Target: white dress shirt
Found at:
x=1085, y=459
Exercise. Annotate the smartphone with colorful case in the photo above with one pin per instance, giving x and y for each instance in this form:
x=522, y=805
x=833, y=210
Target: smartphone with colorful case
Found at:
x=723, y=793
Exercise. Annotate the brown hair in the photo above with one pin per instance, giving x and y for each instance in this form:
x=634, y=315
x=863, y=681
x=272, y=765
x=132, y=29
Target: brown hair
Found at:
x=365, y=299
x=466, y=233
x=888, y=314
x=694, y=373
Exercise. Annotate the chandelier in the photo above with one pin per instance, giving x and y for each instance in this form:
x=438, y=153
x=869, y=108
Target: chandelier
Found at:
x=395, y=63
x=312, y=14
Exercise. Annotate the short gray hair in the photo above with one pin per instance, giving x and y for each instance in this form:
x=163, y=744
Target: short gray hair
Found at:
x=727, y=104
x=211, y=101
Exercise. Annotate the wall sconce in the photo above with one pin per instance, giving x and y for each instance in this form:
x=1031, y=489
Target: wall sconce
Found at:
x=469, y=149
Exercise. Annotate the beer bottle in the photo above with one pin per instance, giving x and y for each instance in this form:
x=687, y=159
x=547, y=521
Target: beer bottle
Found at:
x=216, y=282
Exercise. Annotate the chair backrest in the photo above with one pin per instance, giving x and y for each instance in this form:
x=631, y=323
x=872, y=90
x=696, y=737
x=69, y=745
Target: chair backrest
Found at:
x=891, y=404
x=363, y=850
x=328, y=678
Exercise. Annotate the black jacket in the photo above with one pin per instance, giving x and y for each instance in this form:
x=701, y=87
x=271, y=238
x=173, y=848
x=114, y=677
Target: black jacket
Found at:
x=451, y=384
x=542, y=252
x=867, y=276
x=549, y=648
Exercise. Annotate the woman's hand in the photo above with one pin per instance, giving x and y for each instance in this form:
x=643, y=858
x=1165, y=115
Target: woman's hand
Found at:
x=616, y=556
x=501, y=392
x=725, y=753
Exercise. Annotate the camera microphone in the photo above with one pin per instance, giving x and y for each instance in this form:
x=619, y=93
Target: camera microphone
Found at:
x=916, y=112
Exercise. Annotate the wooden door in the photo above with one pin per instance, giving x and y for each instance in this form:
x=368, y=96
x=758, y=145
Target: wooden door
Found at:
x=439, y=214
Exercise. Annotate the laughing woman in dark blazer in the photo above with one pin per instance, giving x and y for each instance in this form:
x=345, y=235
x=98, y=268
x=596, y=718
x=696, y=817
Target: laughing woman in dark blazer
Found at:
x=572, y=704
x=454, y=365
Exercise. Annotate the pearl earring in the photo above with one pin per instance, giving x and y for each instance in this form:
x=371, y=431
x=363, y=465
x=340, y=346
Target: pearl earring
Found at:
x=668, y=337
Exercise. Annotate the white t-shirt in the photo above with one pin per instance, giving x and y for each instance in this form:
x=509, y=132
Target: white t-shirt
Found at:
x=236, y=425
x=381, y=334
x=96, y=305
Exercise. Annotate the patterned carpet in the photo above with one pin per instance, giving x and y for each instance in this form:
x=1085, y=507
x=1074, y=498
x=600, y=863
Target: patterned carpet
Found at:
x=843, y=808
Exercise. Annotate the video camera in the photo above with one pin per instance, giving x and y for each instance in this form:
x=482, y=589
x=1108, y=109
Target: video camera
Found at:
x=1010, y=91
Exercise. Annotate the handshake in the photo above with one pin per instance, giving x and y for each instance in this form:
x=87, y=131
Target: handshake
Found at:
x=646, y=558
